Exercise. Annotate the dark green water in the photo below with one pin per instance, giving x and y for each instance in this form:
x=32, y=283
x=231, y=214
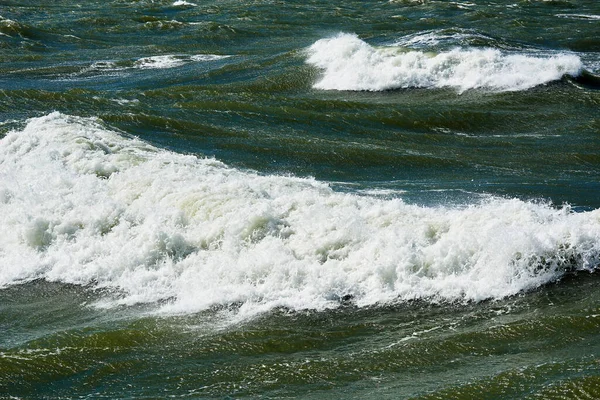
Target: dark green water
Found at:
x=537, y=346
x=285, y=199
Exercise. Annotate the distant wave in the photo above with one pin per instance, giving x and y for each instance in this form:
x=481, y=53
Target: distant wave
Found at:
x=145, y=63
x=348, y=63
x=180, y=3
x=171, y=61
x=13, y=28
x=580, y=16
x=82, y=204
x=448, y=37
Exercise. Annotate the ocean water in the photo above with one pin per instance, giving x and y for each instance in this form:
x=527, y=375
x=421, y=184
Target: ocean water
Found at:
x=391, y=199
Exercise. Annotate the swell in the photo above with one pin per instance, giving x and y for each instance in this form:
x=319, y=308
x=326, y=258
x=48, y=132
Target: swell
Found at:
x=587, y=80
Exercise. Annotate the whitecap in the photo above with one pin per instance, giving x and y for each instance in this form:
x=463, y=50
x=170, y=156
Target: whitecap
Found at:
x=434, y=38
x=180, y=3
x=82, y=204
x=348, y=63
x=590, y=17
x=159, y=62
x=173, y=60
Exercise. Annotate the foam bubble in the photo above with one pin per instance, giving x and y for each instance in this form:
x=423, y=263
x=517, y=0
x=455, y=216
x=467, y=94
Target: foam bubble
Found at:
x=349, y=63
x=82, y=204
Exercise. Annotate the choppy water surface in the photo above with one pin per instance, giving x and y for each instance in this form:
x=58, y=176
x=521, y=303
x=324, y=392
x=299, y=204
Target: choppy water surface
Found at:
x=381, y=199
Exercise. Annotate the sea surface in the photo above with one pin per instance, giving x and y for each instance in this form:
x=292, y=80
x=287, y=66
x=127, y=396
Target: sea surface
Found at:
x=243, y=199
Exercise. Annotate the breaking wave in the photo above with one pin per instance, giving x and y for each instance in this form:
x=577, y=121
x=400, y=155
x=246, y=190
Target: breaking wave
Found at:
x=82, y=204
x=348, y=63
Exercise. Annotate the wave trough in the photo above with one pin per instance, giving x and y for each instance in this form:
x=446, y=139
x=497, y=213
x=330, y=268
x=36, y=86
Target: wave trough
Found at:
x=348, y=63
x=82, y=204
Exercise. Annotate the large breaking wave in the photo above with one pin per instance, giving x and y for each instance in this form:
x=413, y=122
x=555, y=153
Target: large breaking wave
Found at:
x=82, y=204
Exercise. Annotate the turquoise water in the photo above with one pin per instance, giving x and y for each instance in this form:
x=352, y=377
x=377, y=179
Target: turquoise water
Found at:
x=244, y=199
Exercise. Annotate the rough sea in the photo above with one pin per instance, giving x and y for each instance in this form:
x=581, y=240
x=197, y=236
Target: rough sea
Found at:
x=242, y=199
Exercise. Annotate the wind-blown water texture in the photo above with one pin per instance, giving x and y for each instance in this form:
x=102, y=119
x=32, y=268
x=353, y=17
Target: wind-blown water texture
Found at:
x=82, y=204
x=348, y=63
x=267, y=238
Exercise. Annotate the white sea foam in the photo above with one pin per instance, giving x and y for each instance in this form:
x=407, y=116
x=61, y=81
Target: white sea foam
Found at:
x=449, y=37
x=207, y=57
x=10, y=27
x=579, y=16
x=159, y=62
x=348, y=63
x=172, y=61
x=180, y=3
x=154, y=62
x=85, y=205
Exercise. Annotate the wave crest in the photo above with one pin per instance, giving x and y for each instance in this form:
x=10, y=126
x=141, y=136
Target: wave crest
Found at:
x=348, y=63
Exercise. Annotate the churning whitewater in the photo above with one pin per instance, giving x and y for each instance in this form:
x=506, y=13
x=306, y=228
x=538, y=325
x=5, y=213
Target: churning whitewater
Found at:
x=82, y=204
x=348, y=63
